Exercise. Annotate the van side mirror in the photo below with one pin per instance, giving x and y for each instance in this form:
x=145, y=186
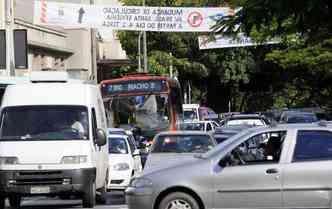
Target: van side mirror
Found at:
x=101, y=137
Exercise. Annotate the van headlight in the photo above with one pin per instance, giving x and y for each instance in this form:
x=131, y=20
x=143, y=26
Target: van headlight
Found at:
x=121, y=167
x=141, y=182
x=8, y=160
x=74, y=159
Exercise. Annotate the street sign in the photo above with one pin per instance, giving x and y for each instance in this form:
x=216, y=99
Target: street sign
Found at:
x=21, y=49
x=3, y=49
x=134, y=18
x=220, y=41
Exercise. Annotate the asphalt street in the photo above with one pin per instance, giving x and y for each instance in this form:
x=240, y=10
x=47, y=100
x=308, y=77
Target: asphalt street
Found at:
x=115, y=200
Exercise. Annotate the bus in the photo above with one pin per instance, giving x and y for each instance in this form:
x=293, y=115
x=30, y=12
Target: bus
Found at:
x=148, y=103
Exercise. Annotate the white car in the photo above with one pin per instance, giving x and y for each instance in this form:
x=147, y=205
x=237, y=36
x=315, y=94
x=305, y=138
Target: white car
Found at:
x=206, y=125
x=124, y=161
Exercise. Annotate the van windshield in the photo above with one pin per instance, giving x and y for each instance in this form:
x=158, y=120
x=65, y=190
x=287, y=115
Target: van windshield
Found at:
x=30, y=123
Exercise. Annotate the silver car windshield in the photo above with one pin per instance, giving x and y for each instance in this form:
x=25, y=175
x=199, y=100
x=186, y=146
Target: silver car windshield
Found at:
x=31, y=123
x=182, y=144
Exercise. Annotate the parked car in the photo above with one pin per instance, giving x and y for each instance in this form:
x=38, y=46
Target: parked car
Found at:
x=199, y=125
x=245, y=119
x=124, y=161
x=298, y=117
x=175, y=146
x=286, y=166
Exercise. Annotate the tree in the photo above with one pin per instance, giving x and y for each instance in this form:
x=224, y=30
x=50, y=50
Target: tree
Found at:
x=305, y=53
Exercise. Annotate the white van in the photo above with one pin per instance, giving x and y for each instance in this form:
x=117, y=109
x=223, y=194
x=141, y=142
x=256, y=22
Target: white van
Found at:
x=52, y=140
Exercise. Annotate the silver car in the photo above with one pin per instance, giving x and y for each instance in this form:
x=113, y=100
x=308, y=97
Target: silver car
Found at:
x=173, y=146
x=287, y=166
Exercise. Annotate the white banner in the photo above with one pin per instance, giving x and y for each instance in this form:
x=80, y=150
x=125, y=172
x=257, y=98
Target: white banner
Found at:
x=220, y=41
x=175, y=19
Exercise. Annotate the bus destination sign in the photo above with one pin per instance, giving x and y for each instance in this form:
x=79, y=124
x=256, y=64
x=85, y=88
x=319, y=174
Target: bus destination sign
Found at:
x=135, y=87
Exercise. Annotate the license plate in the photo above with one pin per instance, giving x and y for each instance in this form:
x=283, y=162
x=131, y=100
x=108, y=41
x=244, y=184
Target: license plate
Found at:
x=40, y=190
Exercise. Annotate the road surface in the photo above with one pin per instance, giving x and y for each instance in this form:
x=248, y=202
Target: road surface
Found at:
x=115, y=200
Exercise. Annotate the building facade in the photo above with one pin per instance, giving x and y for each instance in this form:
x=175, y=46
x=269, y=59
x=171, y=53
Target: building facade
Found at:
x=51, y=48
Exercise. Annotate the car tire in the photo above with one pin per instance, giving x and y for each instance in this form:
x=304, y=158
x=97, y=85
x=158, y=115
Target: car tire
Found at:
x=89, y=196
x=15, y=202
x=2, y=202
x=178, y=200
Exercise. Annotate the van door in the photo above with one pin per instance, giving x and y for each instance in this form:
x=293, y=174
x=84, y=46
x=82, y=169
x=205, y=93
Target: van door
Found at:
x=98, y=153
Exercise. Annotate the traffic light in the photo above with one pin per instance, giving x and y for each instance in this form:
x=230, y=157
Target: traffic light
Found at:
x=2, y=49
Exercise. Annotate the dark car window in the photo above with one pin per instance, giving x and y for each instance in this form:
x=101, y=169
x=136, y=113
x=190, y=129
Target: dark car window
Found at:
x=48, y=122
x=182, y=144
x=118, y=146
x=313, y=145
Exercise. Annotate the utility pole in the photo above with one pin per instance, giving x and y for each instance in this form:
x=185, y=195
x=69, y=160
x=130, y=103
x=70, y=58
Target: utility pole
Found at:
x=139, y=52
x=94, y=72
x=9, y=25
x=145, y=49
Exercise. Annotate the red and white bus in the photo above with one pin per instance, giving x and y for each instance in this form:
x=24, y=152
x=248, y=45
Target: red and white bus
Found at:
x=151, y=103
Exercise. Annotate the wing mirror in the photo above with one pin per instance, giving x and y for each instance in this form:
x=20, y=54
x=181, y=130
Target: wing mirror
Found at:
x=101, y=138
x=225, y=161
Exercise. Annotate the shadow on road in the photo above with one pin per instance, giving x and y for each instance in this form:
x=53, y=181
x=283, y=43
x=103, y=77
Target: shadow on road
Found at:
x=114, y=198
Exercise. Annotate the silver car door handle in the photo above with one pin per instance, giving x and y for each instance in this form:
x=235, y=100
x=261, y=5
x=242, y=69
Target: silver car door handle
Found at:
x=271, y=171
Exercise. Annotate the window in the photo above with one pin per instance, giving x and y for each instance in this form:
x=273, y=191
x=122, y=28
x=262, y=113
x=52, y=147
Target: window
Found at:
x=313, y=145
x=209, y=127
x=131, y=145
x=118, y=146
x=182, y=144
x=259, y=149
x=31, y=123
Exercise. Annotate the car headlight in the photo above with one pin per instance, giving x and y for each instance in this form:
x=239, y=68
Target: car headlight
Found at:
x=8, y=160
x=141, y=182
x=74, y=159
x=121, y=167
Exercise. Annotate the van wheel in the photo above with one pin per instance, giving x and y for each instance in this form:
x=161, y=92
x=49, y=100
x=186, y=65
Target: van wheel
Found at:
x=2, y=202
x=178, y=200
x=89, y=196
x=15, y=202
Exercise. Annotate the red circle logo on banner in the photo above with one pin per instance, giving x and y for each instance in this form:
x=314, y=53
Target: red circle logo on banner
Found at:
x=195, y=19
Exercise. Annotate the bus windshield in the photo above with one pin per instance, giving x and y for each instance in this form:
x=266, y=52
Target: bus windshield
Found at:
x=148, y=112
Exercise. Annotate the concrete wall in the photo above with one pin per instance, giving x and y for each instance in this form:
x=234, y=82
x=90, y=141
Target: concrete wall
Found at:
x=53, y=47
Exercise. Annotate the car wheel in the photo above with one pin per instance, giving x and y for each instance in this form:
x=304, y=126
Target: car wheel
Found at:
x=89, y=196
x=15, y=202
x=2, y=202
x=178, y=200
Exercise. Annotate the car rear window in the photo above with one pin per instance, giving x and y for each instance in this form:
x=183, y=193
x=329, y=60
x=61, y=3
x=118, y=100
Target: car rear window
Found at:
x=182, y=144
x=251, y=122
x=313, y=145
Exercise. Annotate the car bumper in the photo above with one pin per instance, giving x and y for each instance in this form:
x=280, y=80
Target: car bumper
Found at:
x=119, y=180
x=139, y=198
x=45, y=182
